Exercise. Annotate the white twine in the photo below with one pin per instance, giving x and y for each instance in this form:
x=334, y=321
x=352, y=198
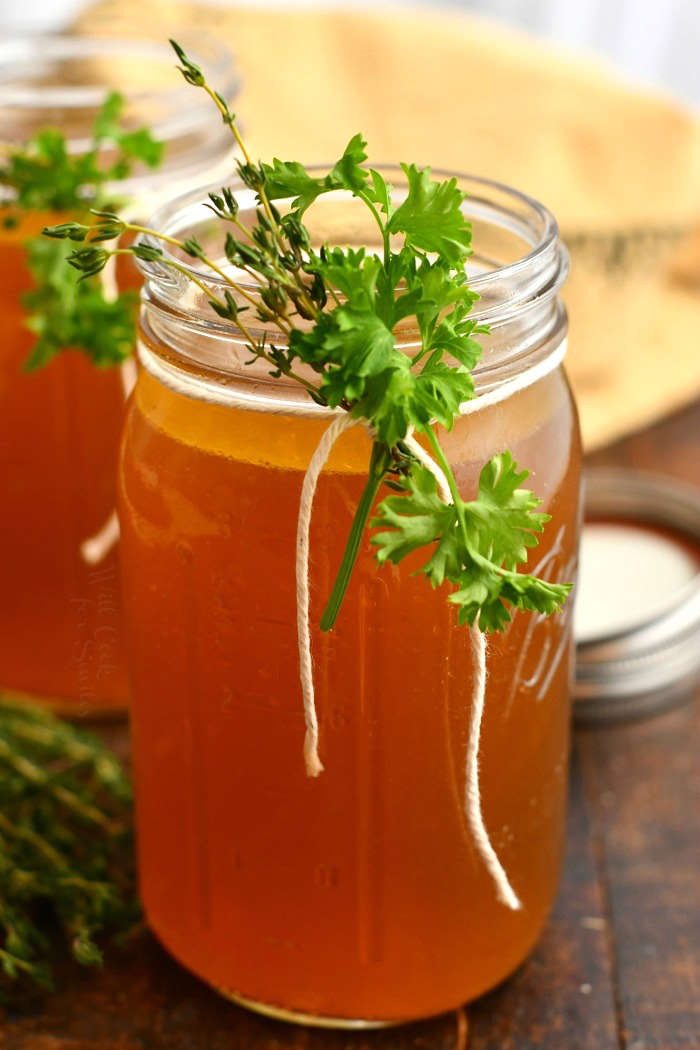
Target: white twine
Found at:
x=97, y=547
x=504, y=891
x=318, y=460
x=472, y=790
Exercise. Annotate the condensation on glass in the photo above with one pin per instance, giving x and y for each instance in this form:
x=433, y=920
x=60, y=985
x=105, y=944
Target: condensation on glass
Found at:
x=356, y=898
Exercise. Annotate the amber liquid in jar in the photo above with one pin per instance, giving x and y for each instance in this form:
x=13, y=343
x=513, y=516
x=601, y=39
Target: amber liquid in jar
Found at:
x=61, y=636
x=359, y=894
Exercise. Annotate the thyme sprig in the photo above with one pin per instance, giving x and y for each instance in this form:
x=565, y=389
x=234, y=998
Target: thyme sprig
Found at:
x=65, y=843
x=336, y=310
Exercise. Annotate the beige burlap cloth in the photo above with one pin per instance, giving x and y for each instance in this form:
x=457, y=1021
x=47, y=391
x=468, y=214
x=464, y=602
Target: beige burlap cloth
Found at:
x=620, y=168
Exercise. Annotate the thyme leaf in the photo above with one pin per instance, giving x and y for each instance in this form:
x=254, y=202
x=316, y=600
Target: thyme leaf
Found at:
x=501, y=524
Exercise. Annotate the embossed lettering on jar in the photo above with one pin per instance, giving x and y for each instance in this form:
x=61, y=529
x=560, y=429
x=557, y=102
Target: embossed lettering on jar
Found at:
x=357, y=897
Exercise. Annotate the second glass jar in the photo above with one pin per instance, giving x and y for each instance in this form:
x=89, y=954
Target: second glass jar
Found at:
x=61, y=631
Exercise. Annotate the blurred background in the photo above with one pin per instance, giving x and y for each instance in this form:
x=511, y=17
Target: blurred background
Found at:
x=657, y=43
x=589, y=105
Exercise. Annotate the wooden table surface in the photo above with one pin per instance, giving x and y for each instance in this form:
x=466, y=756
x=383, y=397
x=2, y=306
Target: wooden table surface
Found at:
x=619, y=963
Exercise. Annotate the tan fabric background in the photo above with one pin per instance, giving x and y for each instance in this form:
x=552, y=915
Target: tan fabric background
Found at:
x=619, y=168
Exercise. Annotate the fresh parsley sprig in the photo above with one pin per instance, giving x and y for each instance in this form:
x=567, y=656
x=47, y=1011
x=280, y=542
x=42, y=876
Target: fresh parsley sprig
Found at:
x=338, y=310
x=44, y=176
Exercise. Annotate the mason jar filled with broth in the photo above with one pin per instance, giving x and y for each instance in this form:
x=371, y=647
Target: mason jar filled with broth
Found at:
x=61, y=629
x=358, y=897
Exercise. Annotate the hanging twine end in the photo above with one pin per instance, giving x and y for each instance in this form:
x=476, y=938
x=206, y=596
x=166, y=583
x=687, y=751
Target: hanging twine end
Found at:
x=97, y=547
x=90, y=552
x=314, y=766
x=507, y=896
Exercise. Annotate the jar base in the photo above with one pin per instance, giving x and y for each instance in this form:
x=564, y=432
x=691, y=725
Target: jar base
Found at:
x=72, y=710
x=279, y=1013
x=299, y=1017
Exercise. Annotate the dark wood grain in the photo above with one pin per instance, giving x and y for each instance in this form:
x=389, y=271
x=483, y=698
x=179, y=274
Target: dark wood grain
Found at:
x=642, y=783
x=671, y=446
x=643, y=786
x=562, y=998
x=618, y=966
x=144, y=1001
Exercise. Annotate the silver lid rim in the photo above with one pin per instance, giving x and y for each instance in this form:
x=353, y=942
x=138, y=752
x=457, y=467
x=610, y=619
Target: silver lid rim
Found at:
x=644, y=668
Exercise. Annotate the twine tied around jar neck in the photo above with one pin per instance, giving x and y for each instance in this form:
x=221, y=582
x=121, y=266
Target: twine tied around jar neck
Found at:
x=213, y=393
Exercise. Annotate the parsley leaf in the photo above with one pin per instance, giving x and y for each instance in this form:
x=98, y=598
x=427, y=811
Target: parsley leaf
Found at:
x=44, y=176
x=348, y=172
x=134, y=145
x=67, y=314
x=353, y=344
x=381, y=194
x=351, y=272
x=480, y=559
x=291, y=179
x=284, y=179
x=503, y=519
x=431, y=216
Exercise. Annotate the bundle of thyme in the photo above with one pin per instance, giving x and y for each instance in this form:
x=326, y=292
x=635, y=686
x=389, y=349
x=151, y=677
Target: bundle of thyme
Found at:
x=335, y=310
x=66, y=851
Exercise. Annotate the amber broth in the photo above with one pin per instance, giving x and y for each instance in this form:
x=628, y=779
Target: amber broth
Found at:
x=60, y=624
x=358, y=894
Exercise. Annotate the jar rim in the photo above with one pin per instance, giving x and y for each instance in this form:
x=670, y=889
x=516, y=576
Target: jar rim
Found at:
x=519, y=300
x=546, y=247
x=18, y=49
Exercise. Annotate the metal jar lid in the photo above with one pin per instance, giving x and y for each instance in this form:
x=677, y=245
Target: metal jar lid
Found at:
x=654, y=662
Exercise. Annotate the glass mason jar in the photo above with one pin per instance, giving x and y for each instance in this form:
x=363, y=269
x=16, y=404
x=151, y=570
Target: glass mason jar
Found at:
x=357, y=897
x=61, y=636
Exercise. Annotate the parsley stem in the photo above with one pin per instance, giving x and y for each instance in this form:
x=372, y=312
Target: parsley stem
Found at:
x=382, y=226
x=454, y=491
x=378, y=466
x=442, y=459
